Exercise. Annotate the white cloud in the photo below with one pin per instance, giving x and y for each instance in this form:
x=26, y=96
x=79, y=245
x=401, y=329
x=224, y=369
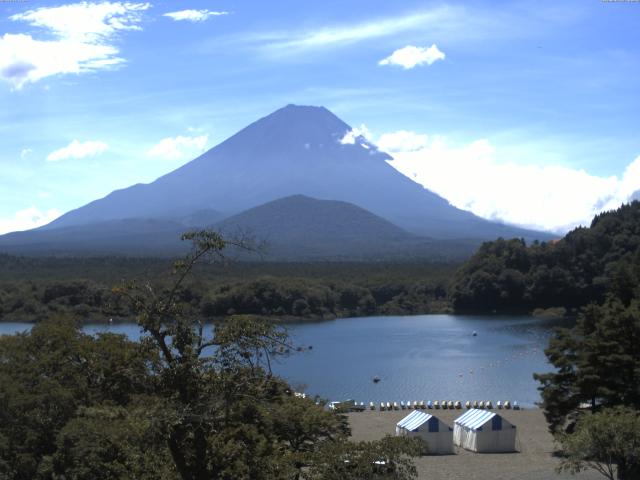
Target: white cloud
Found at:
x=78, y=150
x=412, y=56
x=27, y=219
x=554, y=198
x=193, y=15
x=175, y=148
x=74, y=38
x=401, y=141
x=356, y=133
x=25, y=153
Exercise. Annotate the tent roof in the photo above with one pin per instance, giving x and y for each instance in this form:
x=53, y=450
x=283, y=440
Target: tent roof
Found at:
x=412, y=421
x=474, y=418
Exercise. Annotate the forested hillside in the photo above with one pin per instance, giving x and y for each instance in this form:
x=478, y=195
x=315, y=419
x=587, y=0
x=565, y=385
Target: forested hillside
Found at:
x=581, y=268
x=34, y=288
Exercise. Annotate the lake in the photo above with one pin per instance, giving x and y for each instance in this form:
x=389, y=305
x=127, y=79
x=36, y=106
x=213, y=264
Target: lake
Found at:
x=419, y=357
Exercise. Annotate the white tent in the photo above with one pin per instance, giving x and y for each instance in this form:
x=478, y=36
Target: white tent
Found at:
x=436, y=434
x=484, y=431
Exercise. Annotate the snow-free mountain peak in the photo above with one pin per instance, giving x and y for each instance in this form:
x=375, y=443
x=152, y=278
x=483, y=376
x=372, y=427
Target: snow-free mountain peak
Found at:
x=294, y=150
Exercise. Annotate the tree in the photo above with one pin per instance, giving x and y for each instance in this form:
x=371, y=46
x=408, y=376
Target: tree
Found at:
x=597, y=363
x=49, y=373
x=607, y=441
x=387, y=459
x=224, y=414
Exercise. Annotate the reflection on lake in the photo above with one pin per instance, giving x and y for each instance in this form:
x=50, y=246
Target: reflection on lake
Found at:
x=417, y=358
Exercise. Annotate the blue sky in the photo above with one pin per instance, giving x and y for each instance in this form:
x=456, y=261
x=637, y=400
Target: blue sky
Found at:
x=521, y=111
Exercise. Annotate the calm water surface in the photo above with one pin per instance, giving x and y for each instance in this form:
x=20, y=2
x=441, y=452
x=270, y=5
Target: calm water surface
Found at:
x=417, y=358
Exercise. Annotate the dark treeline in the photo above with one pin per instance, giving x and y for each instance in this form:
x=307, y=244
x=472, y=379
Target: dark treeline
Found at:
x=581, y=268
x=34, y=288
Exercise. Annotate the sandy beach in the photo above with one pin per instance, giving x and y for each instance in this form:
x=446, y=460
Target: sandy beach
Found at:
x=532, y=461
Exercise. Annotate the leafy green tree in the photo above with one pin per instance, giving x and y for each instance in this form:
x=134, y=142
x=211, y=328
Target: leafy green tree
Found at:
x=110, y=442
x=389, y=458
x=224, y=414
x=597, y=363
x=607, y=441
x=47, y=374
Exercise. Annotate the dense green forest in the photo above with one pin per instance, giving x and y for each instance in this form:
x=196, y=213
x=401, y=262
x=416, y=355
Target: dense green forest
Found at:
x=34, y=288
x=509, y=276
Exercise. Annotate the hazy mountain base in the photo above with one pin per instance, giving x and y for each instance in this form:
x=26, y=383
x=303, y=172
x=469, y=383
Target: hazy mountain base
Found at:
x=295, y=228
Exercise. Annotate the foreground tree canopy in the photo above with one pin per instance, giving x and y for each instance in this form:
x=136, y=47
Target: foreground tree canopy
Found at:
x=608, y=442
x=176, y=405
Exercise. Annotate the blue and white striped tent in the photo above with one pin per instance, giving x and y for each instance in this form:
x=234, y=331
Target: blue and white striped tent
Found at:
x=437, y=435
x=484, y=431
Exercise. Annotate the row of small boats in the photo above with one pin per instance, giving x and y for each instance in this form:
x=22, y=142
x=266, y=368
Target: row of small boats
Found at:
x=444, y=404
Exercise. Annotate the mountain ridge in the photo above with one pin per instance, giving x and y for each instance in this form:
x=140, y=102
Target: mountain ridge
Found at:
x=296, y=150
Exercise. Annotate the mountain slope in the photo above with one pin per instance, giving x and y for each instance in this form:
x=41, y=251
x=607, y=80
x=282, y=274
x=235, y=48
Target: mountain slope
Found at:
x=292, y=228
x=303, y=227
x=295, y=150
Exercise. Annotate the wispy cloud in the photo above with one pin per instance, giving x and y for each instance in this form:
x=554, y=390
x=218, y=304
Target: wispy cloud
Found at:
x=193, y=15
x=25, y=152
x=176, y=148
x=411, y=56
x=27, y=219
x=335, y=36
x=444, y=24
x=73, y=38
x=77, y=150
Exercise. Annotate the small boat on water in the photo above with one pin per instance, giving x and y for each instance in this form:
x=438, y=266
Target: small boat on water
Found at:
x=376, y=379
x=474, y=334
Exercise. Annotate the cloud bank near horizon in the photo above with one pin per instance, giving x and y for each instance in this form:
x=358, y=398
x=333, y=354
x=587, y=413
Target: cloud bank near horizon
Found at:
x=555, y=198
